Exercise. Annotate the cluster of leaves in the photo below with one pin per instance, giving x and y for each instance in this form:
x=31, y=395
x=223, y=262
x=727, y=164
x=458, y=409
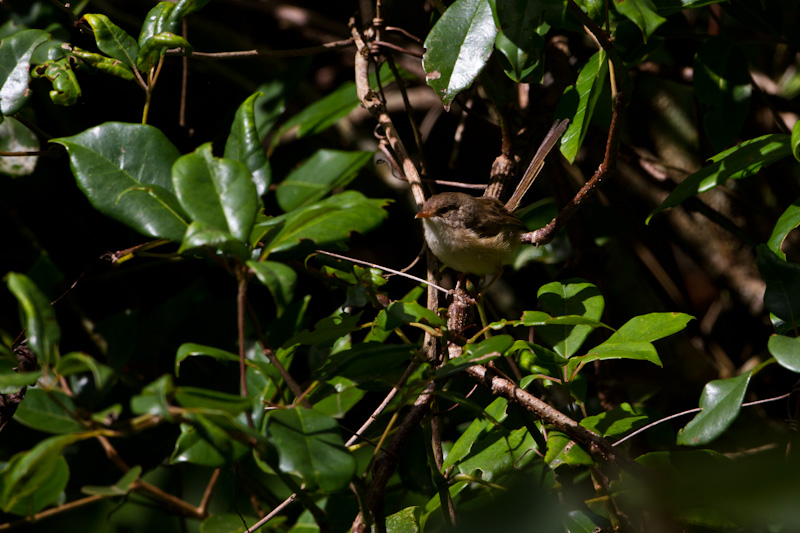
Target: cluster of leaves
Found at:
x=278, y=431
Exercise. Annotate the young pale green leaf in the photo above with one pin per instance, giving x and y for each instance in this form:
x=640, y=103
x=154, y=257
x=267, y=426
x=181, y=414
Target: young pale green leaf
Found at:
x=154, y=398
x=500, y=454
x=27, y=472
x=579, y=101
x=617, y=421
x=125, y=171
x=211, y=400
x=279, y=278
x=458, y=47
x=244, y=145
x=782, y=296
x=49, y=411
x=494, y=414
x=16, y=137
x=722, y=83
x=328, y=221
x=193, y=350
x=735, y=163
x=785, y=350
x=539, y=318
x=15, y=57
x=642, y=13
x=788, y=221
x=318, y=175
x=721, y=401
x=796, y=140
x=218, y=193
x=115, y=67
x=40, y=320
x=120, y=488
x=309, y=445
x=572, y=297
x=561, y=450
x=405, y=521
x=113, y=40
x=650, y=327
x=640, y=351
x=77, y=362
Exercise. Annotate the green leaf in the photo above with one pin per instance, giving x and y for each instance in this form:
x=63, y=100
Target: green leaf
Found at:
x=216, y=192
x=16, y=137
x=244, y=145
x=520, y=41
x=721, y=401
x=125, y=171
x=27, y=472
x=212, y=400
x=199, y=234
x=642, y=13
x=405, y=521
x=367, y=361
x=735, y=163
x=234, y=523
x=495, y=413
x=309, y=445
x=11, y=381
x=540, y=318
x=788, y=221
x=458, y=47
x=782, y=296
x=49, y=411
x=668, y=7
x=192, y=350
x=154, y=398
x=120, y=488
x=158, y=31
x=153, y=49
x=66, y=89
x=15, y=57
x=115, y=67
x=500, y=453
x=785, y=350
x=279, y=278
x=722, y=83
x=48, y=491
x=561, y=450
x=323, y=113
x=328, y=221
x=77, y=362
x=344, y=396
x=650, y=327
x=572, y=297
x=323, y=172
x=641, y=351
x=113, y=40
x=579, y=101
x=40, y=320
x=618, y=421
x=477, y=354
x=210, y=446
x=401, y=312
x=796, y=140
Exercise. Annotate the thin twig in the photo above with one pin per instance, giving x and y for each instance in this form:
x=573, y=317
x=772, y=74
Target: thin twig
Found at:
x=272, y=514
x=297, y=52
x=54, y=511
x=203, y=507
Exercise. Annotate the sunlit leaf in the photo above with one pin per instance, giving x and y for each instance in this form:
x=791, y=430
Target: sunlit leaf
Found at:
x=578, y=103
x=15, y=56
x=786, y=350
x=569, y=298
x=244, y=145
x=721, y=402
x=113, y=40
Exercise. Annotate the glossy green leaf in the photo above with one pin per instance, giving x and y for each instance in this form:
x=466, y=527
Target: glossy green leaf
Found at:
x=244, y=145
x=216, y=192
x=520, y=66
x=115, y=67
x=193, y=350
x=66, y=89
x=579, y=101
x=125, y=171
x=113, y=40
x=520, y=41
x=198, y=398
x=16, y=137
x=279, y=278
x=722, y=83
x=343, y=396
x=50, y=488
x=49, y=411
x=561, y=450
x=28, y=471
x=182, y=9
x=309, y=445
x=540, y=318
x=77, y=362
x=157, y=20
x=11, y=380
x=788, y=221
x=458, y=47
x=785, y=350
x=796, y=140
x=210, y=446
x=618, y=421
x=721, y=401
x=640, y=351
x=782, y=296
x=15, y=57
x=327, y=221
x=40, y=324
x=650, y=327
x=154, y=398
x=569, y=298
x=479, y=353
x=642, y=13
x=500, y=453
x=321, y=114
x=200, y=234
x=477, y=430
x=738, y=162
x=323, y=172
x=120, y=488
x=405, y=521
x=400, y=313
x=154, y=47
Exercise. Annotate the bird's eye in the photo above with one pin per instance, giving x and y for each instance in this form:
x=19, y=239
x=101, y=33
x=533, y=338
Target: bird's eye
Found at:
x=444, y=210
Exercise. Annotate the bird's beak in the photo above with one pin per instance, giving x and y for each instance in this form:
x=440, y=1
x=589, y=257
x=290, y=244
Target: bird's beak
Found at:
x=423, y=214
